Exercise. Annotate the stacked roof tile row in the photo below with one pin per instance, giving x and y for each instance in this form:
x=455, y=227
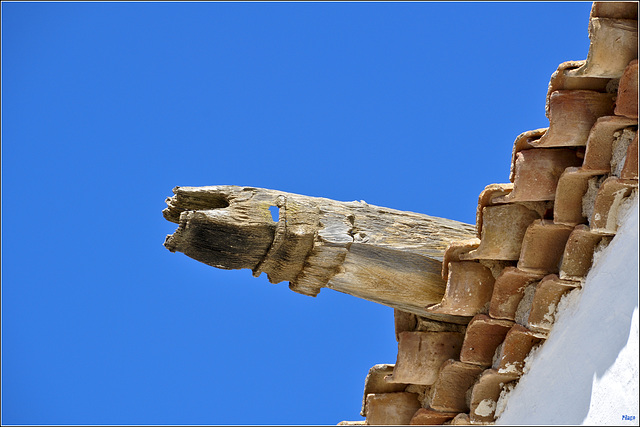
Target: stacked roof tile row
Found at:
x=536, y=240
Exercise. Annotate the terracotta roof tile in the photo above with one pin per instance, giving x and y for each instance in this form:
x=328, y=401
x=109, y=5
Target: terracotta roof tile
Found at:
x=403, y=321
x=516, y=346
x=485, y=394
x=543, y=246
x=524, y=141
x=497, y=266
x=430, y=417
x=453, y=252
x=627, y=100
x=508, y=292
x=578, y=253
x=422, y=391
x=375, y=383
x=607, y=202
x=545, y=302
x=613, y=44
x=449, y=391
x=537, y=172
x=572, y=113
x=391, y=408
x=486, y=198
x=630, y=168
x=420, y=355
x=503, y=228
x=468, y=291
x=461, y=420
x=622, y=139
x=483, y=336
x=614, y=9
x=572, y=186
x=597, y=157
x=560, y=81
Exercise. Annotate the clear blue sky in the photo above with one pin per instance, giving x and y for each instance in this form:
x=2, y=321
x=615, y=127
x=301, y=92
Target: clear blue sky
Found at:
x=107, y=106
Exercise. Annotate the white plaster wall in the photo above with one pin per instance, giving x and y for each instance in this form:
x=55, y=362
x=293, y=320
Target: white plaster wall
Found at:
x=587, y=370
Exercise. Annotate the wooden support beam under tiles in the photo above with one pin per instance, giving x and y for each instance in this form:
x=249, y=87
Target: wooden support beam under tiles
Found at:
x=379, y=254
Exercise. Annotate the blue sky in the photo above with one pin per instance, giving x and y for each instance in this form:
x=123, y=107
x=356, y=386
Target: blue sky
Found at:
x=107, y=106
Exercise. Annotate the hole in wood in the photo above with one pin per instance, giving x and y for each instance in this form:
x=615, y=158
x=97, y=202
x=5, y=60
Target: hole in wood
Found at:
x=275, y=213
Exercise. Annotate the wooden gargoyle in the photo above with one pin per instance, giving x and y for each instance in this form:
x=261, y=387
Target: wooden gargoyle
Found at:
x=379, y=254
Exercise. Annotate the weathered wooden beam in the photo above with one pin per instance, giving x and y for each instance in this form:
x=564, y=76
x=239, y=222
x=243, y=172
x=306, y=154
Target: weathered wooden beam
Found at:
x=379, y=254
